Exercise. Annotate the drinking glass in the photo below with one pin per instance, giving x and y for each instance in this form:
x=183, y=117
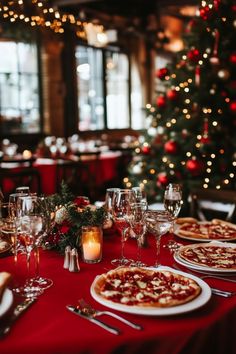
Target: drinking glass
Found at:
x=173, y=199
x=158, y=223
x=138, y=227
x=140, y=194
x=44, y=210
x=108, y=204
x=121, y=204
x=7, y=226
x=30, y=225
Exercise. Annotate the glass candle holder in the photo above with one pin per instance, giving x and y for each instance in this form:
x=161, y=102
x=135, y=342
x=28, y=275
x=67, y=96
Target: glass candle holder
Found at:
x=91, y=242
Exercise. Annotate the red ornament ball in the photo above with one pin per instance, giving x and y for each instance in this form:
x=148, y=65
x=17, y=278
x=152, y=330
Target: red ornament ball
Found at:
x=172, y=94
x=146, y=149
x=232, y=58
x=232, y=106
x=194, y=166
x=162, y=179
x=162, y=73
x=194, y=55
x=171, y=147
x=161, y=101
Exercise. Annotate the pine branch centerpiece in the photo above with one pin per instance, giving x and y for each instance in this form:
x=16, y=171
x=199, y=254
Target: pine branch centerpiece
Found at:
x=68, y=215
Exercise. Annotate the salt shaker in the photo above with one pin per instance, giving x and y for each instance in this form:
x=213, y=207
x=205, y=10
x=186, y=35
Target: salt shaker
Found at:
x=74, y=263
x=67, y=257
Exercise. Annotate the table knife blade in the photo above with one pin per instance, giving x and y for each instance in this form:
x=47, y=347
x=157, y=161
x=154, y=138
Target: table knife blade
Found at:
x=100, y=323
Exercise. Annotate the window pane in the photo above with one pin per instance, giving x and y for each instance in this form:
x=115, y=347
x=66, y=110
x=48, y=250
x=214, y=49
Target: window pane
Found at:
x=90, y=88
x=117, y=69
x=19, y=98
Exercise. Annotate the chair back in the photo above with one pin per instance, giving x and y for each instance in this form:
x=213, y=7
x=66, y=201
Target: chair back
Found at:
x=206, y=204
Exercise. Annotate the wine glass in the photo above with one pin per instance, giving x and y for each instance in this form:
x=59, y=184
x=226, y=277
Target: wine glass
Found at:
x=23, y=190
x=121, y=206
x=7, y=226
x=173, y=199
x=140, y=194
x=158, y=223
x=30, y=225
x=108, y=203
x=138, y=226
x=44, y=210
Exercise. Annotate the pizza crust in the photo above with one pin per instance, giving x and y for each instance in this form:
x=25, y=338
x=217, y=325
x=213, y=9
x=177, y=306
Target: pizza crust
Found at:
x=134, y=286
x=189, y=220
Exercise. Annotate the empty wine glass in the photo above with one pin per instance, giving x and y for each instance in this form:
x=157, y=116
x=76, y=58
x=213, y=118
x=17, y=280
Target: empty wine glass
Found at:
x=138, y=226
x=23, y=189
x=44, y=210
x=121, y=204
x=140, y=194
x=158, y=223
x=29, y=224
x=108, y=202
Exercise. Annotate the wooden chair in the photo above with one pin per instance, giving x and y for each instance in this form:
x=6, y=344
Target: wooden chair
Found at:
x=206, y=204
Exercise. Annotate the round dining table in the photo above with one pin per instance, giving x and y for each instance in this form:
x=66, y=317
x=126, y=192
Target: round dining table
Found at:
x=47, y=327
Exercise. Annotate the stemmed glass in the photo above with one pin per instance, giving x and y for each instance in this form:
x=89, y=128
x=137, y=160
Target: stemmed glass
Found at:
x=44, y=210
x=173, y=199
x=7, y=225
x=108, y=203
x=30, y=225
x=121, y=206
x=138, y=226
x=140, y=194
x=158, y=223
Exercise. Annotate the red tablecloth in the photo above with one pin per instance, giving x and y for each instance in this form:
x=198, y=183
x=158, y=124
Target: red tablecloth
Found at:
x=49, y=328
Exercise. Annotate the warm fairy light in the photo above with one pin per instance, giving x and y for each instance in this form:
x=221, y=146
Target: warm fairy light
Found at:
x=223, y=19
x=226, y=181
x=145, y=181
x=199, y=137
x=171, y=165
x=214, y=123
x=205, y=55
x=200, y=62
x=152, y=171
x=177, y=88
x=221, y=151
x=227, y=100
x=173, y=76
x=168, y=124
x=207, y=180
x=208, y=170
x=137, y=150
x=187, y=101
x=164, y=159
x=181, y=84
x=190, y=81
x=184, y=57
x=188, y=116
x=234, y=163
x=231, y=175
x=173, y=120
x=209, y=163
x=186, y=89
x=219, y=111
x=198, y=145
x=205, y=186
x=218, y=186
x=129, y=185
x=213, y=156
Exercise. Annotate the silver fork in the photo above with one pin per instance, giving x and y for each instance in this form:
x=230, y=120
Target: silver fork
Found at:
x=89, y=310
x=214, y=290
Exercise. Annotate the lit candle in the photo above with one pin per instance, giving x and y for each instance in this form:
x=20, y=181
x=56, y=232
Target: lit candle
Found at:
x=91, y=244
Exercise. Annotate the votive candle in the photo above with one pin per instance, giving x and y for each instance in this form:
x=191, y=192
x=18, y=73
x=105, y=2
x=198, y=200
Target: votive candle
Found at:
x=92, y=239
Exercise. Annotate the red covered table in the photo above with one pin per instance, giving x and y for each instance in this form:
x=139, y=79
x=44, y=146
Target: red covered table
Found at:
x=48, y=327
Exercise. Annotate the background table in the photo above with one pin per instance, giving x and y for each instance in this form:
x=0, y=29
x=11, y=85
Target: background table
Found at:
x=49, y=328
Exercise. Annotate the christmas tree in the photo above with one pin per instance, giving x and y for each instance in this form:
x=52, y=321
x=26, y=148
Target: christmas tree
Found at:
x=191, y=129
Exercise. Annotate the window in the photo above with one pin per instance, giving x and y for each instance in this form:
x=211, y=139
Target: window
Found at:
x=19, y=88
x=103, y=88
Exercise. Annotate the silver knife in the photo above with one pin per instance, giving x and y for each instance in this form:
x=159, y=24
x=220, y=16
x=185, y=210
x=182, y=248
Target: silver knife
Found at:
x=93, y=320
x=16, y=313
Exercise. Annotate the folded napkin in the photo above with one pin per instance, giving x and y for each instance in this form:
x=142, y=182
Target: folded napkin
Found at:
x=5, y=278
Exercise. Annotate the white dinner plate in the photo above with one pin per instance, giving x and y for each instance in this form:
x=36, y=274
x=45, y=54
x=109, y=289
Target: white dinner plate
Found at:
x=193, y=266
x=201, y=239
x=199, y=301
x=6, y=301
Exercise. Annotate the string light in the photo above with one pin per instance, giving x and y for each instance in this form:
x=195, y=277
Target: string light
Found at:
x=44, y=15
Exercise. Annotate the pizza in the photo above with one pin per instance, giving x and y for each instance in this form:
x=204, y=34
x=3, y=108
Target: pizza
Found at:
x=210, y=230
x=209, y=255
x=134, y=286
